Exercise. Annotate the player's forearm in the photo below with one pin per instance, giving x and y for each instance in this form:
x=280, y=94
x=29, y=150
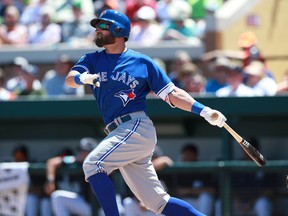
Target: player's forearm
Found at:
x=70, y=79
x=51, y=168
x=181, y=99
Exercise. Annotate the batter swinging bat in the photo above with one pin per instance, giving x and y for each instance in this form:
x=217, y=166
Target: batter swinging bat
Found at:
x=247, y=147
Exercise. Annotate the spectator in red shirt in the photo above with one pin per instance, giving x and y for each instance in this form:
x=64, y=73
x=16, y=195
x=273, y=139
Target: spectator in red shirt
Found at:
x=132, y=6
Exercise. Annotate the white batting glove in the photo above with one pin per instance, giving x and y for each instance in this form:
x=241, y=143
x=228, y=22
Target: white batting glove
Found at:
x=214, y=117
x=92, y=79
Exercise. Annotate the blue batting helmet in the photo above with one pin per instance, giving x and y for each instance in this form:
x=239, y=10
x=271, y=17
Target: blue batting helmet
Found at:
x=120, y=23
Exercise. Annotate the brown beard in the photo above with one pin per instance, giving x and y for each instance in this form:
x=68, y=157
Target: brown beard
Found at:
x=105, y=40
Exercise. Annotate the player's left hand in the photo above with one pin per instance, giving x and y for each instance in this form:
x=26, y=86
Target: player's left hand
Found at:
x=214, y=117
x=92, y=79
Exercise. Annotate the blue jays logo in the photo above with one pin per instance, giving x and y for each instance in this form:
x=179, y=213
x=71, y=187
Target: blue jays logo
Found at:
x=103, y=13
x=126, y=96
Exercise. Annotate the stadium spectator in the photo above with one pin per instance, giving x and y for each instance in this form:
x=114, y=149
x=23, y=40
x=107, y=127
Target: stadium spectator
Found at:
x=63, y=9
x=190, y=79
x=168, y=10
x=196, y=84
x=249, y=51
x=11, y=31
x=258, y=80
x=236, y=86
x=24, y=80
x=162, y=11
x=45, y=33
x=77, y=31
x=68, y=193
x=54, y=80
x=132, y=6
x=146, y=30
x=218, y=74
x=4, y=4
x=180, y=26
x=181, y=57
x=32, y=12
x=247, y=43
x=182, y=30
x=102, y=5
x=4, y=93
x=197, y=189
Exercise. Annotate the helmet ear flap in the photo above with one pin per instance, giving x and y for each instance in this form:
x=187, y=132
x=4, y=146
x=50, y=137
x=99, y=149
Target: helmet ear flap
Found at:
x=116, y=31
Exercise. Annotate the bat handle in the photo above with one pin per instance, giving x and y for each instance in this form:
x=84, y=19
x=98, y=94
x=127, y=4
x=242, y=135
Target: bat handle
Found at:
x=236, y=136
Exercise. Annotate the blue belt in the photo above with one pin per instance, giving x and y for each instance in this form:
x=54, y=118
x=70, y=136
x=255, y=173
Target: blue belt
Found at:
x=114, y=124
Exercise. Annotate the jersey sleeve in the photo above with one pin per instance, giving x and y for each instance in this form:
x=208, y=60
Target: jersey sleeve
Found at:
x=82, y=65
x=159, y=82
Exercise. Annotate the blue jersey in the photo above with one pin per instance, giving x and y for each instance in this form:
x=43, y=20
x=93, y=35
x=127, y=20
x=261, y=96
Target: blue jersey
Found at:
x=125, y=81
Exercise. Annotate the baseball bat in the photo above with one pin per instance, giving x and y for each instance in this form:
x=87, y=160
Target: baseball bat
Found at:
x=253, y=153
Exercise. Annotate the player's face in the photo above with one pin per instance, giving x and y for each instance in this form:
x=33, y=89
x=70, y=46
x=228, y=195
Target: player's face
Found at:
x=103, y=36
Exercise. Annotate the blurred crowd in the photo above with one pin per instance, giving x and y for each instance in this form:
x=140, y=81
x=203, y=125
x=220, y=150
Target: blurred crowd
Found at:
x=24, y=79
x=49, y=22
x=220, y=73
x=229, y=73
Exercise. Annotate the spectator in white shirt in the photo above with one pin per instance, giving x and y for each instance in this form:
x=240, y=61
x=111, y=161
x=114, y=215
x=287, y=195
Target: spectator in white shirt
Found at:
x=146, y=29
x=46, y=32
x=11, y=31
x=235, y=87
x=32, y=12
x=258, y=80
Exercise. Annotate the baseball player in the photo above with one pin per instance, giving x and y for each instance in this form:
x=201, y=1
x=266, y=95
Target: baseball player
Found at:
x=120, y=79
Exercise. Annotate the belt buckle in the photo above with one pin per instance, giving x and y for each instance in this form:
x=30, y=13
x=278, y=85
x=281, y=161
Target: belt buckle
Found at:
x=116, y=122
x=106, y=131
x=113, y=124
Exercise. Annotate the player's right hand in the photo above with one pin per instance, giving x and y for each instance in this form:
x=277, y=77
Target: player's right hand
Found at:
x=214, y=117
x=91, y=79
